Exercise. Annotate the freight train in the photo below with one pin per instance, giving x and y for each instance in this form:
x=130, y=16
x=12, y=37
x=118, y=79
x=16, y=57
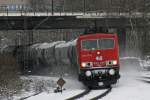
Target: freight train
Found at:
x=94, y=56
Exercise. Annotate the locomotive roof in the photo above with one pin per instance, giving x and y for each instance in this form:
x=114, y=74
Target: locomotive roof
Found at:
x=96, y=35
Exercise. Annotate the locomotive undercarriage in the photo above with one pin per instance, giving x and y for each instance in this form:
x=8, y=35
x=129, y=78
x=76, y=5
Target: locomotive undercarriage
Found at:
x=99, y=77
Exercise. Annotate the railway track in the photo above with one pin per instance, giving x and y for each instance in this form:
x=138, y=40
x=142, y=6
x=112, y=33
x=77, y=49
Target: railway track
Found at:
x=102, y=95
x=80, y=95
x=87, y=92
x=145, y=79
x=24, y=98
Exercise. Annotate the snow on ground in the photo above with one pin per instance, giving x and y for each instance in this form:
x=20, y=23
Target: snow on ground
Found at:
x=45, y=86
x=130, y=86
x=92, y=94
x=145, y=74
x=56, y=96
x=71, y=82
x=129, y=89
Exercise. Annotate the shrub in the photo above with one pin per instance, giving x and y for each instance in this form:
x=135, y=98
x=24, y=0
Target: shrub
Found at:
x=9, y=75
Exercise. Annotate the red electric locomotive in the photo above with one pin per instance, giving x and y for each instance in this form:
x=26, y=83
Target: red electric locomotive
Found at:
x=98, y=59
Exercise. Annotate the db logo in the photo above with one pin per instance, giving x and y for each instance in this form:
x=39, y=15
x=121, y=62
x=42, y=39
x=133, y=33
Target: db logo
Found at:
x=99, y=58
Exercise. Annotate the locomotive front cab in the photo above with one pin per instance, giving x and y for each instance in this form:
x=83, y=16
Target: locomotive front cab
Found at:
x=98, y=59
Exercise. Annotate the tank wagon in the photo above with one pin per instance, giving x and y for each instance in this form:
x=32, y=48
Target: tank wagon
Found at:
x=56, y=54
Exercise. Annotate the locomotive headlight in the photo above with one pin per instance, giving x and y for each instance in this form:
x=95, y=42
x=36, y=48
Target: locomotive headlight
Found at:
x=88, y=73
x=115, y=62
x=111, y=71
x=86, y=64
x=111, y=62
x=83, y=64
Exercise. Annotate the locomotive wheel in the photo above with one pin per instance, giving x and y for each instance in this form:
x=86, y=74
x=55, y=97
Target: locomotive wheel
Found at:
x=107, y=86
x=91, y=85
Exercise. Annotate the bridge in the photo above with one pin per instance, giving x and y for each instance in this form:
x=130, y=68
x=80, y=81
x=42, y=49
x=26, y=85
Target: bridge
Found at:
x=90, y=14
x=67, y=20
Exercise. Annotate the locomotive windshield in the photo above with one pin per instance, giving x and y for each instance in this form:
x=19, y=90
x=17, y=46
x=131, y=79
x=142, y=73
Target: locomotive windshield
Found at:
x=98, y=44
x=89, y=45
x=106, y=43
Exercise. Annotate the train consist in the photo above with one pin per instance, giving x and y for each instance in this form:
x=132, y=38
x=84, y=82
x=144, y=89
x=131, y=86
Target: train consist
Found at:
x=94, y=57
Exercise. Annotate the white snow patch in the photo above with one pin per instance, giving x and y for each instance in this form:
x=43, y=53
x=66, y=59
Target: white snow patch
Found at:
x=71, y=82
x=125, y=58
x=72, y=87
x=129, y=88
x=66, y=44
x=56, y=96
x=46, y=45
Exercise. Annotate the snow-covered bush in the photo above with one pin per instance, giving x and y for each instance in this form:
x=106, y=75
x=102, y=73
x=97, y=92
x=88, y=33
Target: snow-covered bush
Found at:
x=9, y=76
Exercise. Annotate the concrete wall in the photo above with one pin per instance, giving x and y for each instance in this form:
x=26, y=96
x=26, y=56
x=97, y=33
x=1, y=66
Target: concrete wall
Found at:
x=21, y=37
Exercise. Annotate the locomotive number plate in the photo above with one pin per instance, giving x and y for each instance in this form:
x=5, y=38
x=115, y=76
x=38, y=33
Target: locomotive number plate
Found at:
x=99, y=64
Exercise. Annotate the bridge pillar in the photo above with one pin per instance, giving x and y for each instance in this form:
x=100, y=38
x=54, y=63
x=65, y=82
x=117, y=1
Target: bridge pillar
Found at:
x=122, y=41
